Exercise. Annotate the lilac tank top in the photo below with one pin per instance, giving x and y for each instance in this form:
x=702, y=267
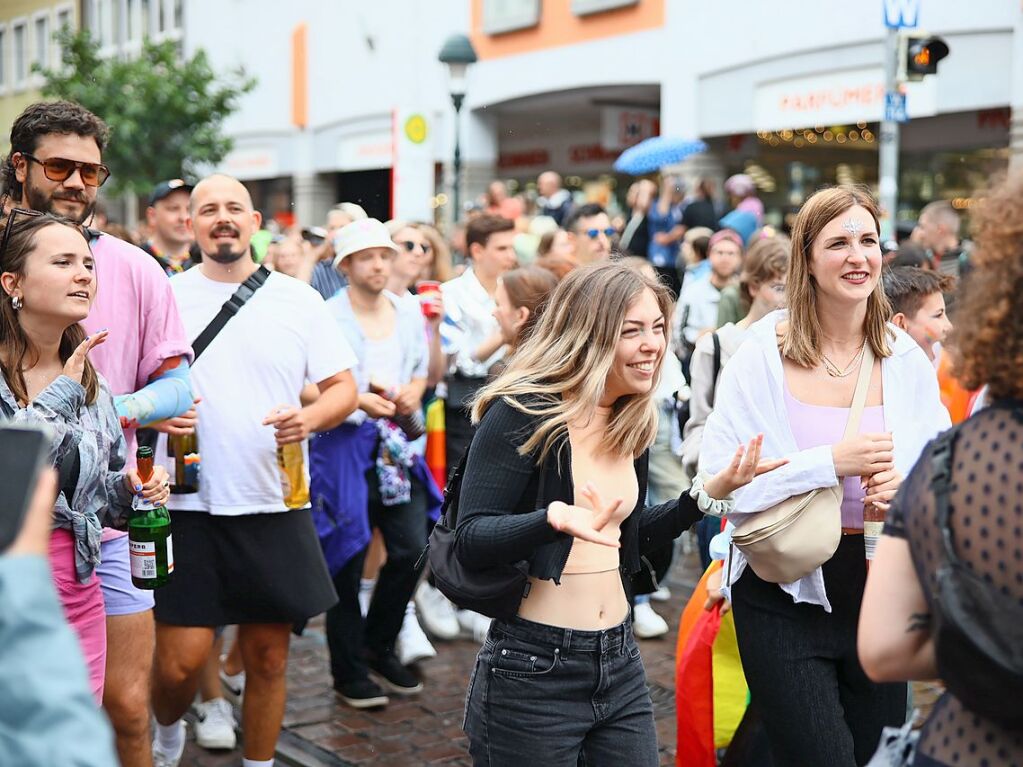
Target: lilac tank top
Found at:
x=816, y=425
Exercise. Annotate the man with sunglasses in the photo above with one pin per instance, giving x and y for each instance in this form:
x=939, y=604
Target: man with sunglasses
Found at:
x=591, y=233
x=56, y=165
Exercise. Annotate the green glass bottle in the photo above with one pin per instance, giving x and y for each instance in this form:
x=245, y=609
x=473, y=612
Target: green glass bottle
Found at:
x=149, y=534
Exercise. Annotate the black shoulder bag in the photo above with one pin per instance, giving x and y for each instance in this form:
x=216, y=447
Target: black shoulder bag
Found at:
x=228, y=310
x=494, y=591
x=978, y=630
x=148, y=436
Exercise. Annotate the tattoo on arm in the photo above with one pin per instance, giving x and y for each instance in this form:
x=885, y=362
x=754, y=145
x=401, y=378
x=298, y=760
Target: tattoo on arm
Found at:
x=919, y=622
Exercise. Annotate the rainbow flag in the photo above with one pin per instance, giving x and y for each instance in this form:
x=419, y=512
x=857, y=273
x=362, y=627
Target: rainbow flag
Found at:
x=710, y=689
x=436, y=454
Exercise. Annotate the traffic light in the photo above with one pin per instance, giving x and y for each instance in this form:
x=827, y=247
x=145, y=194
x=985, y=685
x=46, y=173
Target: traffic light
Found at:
x=920, y=56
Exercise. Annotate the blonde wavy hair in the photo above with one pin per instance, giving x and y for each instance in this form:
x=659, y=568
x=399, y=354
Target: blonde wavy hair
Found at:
x=801, y=342
x=558, y=373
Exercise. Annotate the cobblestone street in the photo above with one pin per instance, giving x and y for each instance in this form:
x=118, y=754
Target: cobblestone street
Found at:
x=320, y=731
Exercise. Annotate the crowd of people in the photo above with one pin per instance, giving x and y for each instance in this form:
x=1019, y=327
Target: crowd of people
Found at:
x=593, y=386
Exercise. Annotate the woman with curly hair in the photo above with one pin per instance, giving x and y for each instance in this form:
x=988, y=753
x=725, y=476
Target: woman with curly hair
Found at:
x=985, y=500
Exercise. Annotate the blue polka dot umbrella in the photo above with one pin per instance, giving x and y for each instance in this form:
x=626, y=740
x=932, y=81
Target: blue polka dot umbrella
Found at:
x=656, y=152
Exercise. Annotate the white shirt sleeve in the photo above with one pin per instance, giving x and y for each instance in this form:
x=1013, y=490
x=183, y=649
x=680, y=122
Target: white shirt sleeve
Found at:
x=328, y=351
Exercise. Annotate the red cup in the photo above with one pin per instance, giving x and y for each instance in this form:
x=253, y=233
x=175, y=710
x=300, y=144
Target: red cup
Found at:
x=429, y=298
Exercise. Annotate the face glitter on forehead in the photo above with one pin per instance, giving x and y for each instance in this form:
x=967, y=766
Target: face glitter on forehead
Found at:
x=852, y=226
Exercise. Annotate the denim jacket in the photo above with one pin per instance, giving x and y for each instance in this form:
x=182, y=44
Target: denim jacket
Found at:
x=101, y=497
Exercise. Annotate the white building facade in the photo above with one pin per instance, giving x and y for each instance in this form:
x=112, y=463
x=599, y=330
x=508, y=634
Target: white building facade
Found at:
x=791, y=93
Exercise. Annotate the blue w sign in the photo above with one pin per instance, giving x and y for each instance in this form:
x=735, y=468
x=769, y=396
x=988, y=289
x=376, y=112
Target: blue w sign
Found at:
x=901, y=13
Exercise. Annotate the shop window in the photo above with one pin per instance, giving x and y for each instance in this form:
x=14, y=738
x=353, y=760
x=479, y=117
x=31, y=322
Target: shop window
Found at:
x=501, y=16
x=586, y=7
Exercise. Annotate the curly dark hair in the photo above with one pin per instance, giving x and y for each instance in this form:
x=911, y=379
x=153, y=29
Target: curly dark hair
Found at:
x=41, y=119
x=987, y=344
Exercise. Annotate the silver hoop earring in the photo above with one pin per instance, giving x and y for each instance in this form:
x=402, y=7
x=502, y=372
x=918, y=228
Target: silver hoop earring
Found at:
x=16, y=302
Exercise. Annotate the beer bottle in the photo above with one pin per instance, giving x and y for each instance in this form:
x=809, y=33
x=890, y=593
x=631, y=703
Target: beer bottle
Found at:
x=149, y=534
x=184, y=449
x=291, y=464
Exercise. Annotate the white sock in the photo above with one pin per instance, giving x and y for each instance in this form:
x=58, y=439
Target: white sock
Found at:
x=257, y=763
x=170, y=737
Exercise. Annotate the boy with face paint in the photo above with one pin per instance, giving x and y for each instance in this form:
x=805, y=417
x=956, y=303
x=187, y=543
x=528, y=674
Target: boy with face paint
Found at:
x=918, y=301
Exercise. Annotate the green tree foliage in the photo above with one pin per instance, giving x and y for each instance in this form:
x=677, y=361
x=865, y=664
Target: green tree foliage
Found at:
x=165, y=112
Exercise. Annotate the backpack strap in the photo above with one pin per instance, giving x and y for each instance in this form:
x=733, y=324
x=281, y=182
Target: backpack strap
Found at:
x=716, y=340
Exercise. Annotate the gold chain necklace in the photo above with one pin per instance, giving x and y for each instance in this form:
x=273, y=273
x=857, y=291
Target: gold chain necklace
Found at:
x=836, y=372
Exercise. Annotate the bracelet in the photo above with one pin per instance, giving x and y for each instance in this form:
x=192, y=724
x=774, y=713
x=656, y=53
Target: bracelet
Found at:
x=715, y=507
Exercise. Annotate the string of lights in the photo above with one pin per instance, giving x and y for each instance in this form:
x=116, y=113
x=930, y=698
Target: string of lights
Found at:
x=860, y=134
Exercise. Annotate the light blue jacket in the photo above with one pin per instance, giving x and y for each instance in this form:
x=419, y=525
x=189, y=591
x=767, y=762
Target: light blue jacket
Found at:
x=48, y=715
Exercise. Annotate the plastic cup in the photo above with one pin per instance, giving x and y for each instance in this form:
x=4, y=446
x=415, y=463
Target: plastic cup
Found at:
x=429, y=295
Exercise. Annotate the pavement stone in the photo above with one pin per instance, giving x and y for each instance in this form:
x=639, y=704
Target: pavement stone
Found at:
x=320, y=731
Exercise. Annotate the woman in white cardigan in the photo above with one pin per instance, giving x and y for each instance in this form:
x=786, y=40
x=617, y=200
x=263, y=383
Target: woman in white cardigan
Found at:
x=793, y=380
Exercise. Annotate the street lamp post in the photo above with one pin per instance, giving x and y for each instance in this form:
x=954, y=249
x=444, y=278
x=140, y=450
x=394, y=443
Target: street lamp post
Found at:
x=458, y=53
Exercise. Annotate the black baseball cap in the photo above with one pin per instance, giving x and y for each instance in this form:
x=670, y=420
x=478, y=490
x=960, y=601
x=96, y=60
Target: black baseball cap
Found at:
x=164, y=188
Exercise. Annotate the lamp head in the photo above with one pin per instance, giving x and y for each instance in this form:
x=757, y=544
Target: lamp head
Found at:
x=458, y=53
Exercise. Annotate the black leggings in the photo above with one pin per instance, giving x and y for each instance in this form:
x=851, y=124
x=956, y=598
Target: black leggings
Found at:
x=818, y=706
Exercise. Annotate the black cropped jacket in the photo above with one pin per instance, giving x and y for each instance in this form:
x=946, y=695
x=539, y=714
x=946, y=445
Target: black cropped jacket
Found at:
x=502, y=508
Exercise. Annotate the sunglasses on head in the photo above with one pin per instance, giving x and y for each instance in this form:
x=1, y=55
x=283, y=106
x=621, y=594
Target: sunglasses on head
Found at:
x=61, y=169
x=410, y=246
x=88, y=232
x=595, y=233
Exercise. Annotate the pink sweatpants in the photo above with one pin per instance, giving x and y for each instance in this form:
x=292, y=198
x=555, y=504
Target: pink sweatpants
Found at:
x=83, y=608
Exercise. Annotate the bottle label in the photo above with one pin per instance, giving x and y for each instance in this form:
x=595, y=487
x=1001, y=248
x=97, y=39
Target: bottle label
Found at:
x=143, y=559
x=170, y=554
x=142, y=504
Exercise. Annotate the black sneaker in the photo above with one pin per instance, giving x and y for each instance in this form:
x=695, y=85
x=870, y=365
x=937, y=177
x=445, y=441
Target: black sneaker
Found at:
x=393, y=676
x=361, y=693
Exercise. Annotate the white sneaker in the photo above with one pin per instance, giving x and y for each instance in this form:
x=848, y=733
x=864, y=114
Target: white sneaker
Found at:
x=663, y=594
x=163, y=759
x=646, y=623
x=412, y=644
x=233, y=685
x=215, y=724
x=436, y=612
x=473, y=625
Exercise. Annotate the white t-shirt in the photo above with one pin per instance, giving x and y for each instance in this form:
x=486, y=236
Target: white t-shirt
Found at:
x=282, y=338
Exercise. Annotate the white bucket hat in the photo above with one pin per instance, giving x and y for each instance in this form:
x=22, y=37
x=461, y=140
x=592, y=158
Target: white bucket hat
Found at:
x=361, y=235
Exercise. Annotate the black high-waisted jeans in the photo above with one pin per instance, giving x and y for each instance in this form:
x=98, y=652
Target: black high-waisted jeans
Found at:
x=800, y=662
x=559, y=697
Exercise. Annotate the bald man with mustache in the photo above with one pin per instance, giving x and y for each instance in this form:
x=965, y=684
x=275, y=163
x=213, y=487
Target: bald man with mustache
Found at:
x=246, y=548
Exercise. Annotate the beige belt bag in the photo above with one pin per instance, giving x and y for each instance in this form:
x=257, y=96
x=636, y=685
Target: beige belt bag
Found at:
x=793, y=538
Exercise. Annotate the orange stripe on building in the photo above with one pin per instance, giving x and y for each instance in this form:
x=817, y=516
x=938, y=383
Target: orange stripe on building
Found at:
x=300, y=75
x=559, y=26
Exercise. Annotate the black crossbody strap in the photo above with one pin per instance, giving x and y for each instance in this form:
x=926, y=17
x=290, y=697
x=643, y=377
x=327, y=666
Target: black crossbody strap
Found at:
x=228, y=310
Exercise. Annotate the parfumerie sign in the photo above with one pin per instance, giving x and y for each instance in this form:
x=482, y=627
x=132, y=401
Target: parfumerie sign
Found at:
x=835, y=98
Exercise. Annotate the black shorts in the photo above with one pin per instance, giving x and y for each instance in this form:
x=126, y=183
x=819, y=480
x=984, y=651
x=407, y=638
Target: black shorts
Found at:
x=252, y=568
